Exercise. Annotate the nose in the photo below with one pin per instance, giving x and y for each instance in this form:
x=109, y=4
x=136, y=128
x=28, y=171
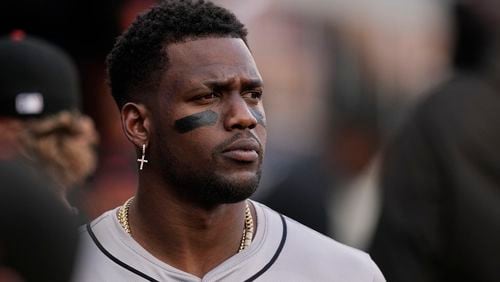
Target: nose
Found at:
x=238, y=114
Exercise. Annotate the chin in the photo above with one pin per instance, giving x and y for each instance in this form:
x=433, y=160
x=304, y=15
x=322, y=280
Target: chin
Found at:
x=227, y=188
x=210, y=189
x=233, y=188
x=241, y=179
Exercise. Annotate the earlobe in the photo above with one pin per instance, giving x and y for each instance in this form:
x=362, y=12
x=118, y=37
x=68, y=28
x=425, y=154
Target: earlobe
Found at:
x=136, y=123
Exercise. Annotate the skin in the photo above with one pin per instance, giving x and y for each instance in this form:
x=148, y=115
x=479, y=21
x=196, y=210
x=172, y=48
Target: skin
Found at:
x=194, y=121
x=9, y=140
x=194, y=225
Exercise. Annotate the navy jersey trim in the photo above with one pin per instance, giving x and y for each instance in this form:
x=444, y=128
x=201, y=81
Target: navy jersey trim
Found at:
x=276, y=254
x=116, y=260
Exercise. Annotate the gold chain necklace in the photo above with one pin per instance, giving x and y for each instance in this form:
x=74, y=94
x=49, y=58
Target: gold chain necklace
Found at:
x=123, y=215
x=246, y=239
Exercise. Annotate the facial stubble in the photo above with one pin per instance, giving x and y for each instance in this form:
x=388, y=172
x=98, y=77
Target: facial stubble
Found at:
x=202, y=182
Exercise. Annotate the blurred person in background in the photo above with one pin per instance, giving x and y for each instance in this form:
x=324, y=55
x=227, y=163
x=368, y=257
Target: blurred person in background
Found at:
x=38, y=235
x=334, y=189
x=440, y=176
x=341, y=76
x=45, y=150
x=86, y=31
x=39, y=113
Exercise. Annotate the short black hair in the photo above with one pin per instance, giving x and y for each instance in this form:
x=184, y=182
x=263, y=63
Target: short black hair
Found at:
x=138, y=58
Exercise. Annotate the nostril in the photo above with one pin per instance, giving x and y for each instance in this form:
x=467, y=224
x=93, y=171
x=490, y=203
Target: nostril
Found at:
x=242, y=125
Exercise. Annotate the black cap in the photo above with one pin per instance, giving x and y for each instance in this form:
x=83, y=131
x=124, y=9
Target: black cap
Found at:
x=36, y=78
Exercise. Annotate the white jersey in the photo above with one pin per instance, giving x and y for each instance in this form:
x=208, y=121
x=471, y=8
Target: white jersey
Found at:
x=282, y=250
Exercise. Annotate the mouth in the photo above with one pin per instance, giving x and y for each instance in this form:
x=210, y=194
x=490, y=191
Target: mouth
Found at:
x=245, y=150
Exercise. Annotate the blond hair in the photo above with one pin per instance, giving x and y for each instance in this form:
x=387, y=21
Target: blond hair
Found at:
x=63, y=145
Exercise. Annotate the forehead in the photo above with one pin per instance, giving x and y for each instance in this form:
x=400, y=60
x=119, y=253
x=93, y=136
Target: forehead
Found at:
x=208, y=59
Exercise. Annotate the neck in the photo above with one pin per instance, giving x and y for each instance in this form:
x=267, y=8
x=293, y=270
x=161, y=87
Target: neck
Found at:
x=184, y=235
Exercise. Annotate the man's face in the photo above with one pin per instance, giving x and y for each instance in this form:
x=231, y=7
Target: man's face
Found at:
x=209, y=122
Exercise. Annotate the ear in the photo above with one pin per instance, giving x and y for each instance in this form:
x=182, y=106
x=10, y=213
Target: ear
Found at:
x=136, y=122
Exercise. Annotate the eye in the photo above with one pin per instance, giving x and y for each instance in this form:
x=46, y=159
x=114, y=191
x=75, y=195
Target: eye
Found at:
x=207, y=98
x=210, y=96
x=254, y=96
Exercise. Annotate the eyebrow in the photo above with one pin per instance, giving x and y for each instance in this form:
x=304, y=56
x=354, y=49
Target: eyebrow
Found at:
x=251, y=83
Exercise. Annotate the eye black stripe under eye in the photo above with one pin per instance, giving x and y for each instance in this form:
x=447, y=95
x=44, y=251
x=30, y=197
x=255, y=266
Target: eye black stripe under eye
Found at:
x=197, y=120
x=258, y=116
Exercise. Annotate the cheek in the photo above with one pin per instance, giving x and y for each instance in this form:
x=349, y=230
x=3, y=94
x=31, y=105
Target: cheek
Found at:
x=261, y=133
x=197, y=144
x=194, y=121
x=259, y=115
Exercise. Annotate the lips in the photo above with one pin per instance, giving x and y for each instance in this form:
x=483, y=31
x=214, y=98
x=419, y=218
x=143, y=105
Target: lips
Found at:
x=243, y=150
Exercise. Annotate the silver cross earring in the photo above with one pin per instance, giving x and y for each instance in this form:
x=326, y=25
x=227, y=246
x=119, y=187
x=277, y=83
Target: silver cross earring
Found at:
x=142, y=160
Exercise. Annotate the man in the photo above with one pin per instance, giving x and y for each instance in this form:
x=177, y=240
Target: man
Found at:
x=441, y=175
x=40, y=119
x=190, y=97
x=43, y=150
x=39, y=238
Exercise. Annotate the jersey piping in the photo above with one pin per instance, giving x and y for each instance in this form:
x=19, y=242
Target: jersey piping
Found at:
x=149, y=278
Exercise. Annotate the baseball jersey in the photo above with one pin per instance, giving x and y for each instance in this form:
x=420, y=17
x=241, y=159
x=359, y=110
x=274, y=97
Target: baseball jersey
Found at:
x=282, y=250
